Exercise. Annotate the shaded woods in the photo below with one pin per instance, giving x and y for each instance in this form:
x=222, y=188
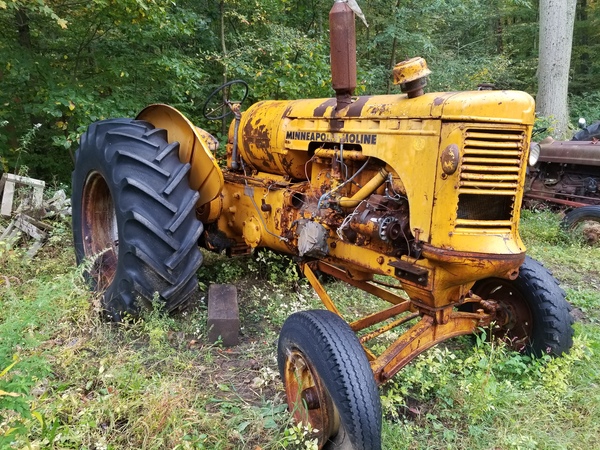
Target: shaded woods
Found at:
x=64, y=63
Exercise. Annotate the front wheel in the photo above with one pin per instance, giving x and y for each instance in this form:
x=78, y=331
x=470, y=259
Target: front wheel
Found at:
x=533, y=313
x=328, y=381
x=134, y=222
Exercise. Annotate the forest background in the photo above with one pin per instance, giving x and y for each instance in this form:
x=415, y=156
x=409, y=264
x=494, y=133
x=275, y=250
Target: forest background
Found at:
x=67, y=63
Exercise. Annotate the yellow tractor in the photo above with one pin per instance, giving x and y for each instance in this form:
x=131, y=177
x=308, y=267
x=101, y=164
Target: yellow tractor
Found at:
x=414, y=198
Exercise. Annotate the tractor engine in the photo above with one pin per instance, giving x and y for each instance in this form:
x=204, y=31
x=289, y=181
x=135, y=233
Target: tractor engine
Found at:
x=568, y=173
x=419, y=188
x=425, y=188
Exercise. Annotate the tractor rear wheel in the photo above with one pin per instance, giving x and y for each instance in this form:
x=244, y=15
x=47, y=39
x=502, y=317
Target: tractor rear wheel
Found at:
x=588, y=133
x=534, y=314
x=328, y=381
x=134, y=222
x=584, y=223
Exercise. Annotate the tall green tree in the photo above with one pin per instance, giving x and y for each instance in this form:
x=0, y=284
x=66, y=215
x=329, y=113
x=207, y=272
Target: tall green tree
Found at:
x=556, y=36
x=67, y=65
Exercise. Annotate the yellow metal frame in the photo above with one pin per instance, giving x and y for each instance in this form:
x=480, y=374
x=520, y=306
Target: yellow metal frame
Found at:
x=429, y=330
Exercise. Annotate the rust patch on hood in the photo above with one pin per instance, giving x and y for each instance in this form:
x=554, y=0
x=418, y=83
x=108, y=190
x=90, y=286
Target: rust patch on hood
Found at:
x=286, y=112
x=335, y=125
x=256, y=135
x=438, y=101
x=320, y=110
x=355, y=109
x=380, y=109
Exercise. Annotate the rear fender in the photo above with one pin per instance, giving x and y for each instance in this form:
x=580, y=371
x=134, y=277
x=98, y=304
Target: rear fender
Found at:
x=195, y=147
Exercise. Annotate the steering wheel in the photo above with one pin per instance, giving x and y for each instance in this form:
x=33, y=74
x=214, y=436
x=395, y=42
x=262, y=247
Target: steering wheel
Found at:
x=219, y=103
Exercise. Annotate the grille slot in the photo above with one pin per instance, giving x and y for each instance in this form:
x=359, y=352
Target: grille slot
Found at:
x=489, y=179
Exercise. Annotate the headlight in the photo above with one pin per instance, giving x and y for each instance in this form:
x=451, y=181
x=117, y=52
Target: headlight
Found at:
x=534, y=153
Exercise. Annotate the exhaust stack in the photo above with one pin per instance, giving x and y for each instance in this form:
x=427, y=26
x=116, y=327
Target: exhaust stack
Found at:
x=342, y=37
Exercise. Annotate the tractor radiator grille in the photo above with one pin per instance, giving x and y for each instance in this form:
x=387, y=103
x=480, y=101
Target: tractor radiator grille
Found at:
x=489, y=178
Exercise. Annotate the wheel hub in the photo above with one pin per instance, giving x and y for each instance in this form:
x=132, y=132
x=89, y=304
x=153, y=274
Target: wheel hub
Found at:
x=100, y=234
x=307, y=398
x=513, y=318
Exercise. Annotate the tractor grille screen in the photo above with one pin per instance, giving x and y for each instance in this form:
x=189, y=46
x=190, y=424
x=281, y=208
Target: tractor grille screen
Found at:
x=489, y=178
x=484, y=207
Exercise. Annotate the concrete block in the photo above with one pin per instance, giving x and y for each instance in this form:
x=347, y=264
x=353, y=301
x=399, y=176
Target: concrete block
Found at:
x=223, y=314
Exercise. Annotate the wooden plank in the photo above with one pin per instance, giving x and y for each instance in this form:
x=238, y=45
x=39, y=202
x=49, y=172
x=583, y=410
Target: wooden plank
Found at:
x=7, y=232
x=18, y=179
x=3, y=180
x=34, y=249
x=10, y=235
x=10, y=181
x=41, y=225
x=7, y=198
x=33, y=231
x=37, y=197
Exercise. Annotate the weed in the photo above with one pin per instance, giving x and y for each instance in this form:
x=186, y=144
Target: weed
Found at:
x=298, y=436
x=543, y=227
x=14, y=157
x=586, y=299
x=274, y=267
x=263, y=265
x=156, y=323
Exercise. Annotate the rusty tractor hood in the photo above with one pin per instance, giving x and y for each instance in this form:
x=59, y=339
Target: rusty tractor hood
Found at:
x=514, y=107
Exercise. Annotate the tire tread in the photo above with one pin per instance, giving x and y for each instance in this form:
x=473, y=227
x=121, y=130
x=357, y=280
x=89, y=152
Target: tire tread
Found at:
x=344, y=369
x=150, y=190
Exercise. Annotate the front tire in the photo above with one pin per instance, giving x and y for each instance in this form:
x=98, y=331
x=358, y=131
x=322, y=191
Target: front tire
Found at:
x=134, y=217
x=535, y=315
x=328, y=380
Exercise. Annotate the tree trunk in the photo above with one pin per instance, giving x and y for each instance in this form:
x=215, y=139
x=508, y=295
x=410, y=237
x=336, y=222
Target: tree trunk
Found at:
x=224, y=50
x=22, y=21
x=557, y=18
x=394, y=43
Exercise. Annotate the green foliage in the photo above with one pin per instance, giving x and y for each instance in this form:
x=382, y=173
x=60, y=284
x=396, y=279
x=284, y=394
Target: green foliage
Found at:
x=298, y=436
x=14, y=159
x=292, y=66
x=156, y=323
x=220, y=270
x=99, y=63
x=66, y=65
x=274, y=267
x=447, y=390
x=24, y=328
x=263, y=264
x=543, y=228
x=586, y=105
x=156, y=383
x=543, y=127
x=586, y=300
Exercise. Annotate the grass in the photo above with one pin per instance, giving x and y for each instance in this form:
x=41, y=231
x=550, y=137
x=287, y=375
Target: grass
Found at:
x=69, y=380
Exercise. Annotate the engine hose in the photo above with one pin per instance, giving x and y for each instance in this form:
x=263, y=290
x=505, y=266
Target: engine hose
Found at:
x=365, y=191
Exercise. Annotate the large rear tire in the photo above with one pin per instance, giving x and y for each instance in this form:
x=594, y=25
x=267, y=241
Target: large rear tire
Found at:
x=329, y=382
x=134, y=217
